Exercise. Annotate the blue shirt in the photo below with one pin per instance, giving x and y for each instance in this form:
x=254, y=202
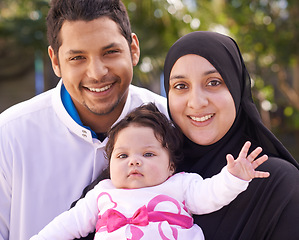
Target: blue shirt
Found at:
x=71, y=109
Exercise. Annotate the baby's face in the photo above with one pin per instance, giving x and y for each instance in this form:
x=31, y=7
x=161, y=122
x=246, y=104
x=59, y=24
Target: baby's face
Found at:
x=138, y=159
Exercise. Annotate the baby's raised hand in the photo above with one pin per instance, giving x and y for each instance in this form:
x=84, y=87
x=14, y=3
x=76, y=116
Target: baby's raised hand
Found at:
x=244, y=166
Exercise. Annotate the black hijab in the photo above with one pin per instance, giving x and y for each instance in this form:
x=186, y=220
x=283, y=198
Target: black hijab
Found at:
x=264, y=202
x=223, y=53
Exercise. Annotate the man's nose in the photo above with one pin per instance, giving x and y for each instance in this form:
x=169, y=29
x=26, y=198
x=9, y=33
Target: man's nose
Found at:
x=96, y=69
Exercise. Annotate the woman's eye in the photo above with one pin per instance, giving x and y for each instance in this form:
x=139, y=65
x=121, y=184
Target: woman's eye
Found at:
x=148, y=154
x=180, y=86
x=214, y=82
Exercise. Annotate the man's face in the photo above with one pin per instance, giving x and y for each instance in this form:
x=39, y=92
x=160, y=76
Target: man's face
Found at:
x=96, y=65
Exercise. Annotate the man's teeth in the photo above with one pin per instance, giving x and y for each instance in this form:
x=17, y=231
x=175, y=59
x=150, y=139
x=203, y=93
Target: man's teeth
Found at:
x=202, y=119
x=100, y=89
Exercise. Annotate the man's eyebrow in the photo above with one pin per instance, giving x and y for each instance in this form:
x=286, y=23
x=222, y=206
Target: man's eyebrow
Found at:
x=110, y=46
x=73, y=51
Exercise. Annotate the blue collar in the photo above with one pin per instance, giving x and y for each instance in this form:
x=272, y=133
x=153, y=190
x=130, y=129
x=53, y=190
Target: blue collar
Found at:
x=72, y=111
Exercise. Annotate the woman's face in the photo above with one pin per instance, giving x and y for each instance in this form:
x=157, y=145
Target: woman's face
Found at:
x=199, y=100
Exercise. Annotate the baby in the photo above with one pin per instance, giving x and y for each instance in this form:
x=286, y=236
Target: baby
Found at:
x=145, y=199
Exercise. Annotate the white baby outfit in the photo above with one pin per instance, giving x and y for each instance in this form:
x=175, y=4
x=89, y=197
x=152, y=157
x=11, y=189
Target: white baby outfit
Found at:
x=158, y=212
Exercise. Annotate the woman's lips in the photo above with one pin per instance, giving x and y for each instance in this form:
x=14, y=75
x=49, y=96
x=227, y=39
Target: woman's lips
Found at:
x=202, y=119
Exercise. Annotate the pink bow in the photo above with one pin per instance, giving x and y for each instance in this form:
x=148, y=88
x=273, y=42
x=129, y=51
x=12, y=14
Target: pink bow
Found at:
x=114, y=220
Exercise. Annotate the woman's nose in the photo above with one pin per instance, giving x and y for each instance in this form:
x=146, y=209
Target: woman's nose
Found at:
x=197, y=99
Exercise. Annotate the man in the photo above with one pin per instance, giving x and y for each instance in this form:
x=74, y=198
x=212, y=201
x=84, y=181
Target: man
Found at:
x=51, y=146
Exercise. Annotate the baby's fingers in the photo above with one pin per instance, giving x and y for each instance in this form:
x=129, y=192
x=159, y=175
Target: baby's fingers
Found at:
x=230, y=160
x=259, y=174
x=244, y=151
x=254, y=154
x=259, y=161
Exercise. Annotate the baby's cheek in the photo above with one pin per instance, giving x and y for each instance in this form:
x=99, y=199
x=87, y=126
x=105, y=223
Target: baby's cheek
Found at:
x=158, y=176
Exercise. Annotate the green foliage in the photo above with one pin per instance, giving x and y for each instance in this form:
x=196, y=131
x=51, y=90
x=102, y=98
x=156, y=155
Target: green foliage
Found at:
x=267, y=26
x=23, y=22
x=266, y=31
x=157, y=29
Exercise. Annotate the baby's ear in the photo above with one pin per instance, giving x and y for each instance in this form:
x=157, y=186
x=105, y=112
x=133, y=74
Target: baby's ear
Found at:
x=171, y=168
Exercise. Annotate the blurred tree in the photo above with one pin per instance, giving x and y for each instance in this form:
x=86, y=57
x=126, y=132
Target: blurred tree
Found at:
x=158, y=24
x=22, y=36
x=270, y=39
x=23, y=21
x=266, y=31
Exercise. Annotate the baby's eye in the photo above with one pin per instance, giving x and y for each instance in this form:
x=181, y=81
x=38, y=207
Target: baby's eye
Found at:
x=123, y=155
x=149, y=154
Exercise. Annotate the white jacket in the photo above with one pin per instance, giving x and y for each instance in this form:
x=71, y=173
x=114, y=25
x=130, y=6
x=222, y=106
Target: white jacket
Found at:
x=47, y=159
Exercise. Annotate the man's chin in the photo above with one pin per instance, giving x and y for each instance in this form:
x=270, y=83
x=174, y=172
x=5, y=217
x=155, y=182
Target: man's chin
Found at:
x=103, y=110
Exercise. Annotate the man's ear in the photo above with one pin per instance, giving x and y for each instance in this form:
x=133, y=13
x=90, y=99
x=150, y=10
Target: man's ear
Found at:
x=54, y=61
x=135, y=50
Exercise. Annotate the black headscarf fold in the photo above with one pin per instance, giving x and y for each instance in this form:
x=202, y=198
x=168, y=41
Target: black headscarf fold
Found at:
x=269, y=208
x=223, y=53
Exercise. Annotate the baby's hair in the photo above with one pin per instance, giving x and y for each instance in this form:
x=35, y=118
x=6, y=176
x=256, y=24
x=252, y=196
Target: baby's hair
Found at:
x=148, y=115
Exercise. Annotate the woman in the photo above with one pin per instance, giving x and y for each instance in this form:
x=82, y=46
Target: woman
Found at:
x=209, y=98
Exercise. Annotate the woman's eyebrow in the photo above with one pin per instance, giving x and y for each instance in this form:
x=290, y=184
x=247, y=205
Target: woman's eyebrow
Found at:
x=182, y=76
x=176, y=77
x=210, y=72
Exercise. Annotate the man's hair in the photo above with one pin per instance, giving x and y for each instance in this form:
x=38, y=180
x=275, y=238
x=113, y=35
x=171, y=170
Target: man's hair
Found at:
x=85, y=10
x=148, y=115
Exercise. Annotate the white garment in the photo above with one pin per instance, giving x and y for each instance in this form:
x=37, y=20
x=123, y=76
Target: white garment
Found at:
x=181, y=194
x=47, y=159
